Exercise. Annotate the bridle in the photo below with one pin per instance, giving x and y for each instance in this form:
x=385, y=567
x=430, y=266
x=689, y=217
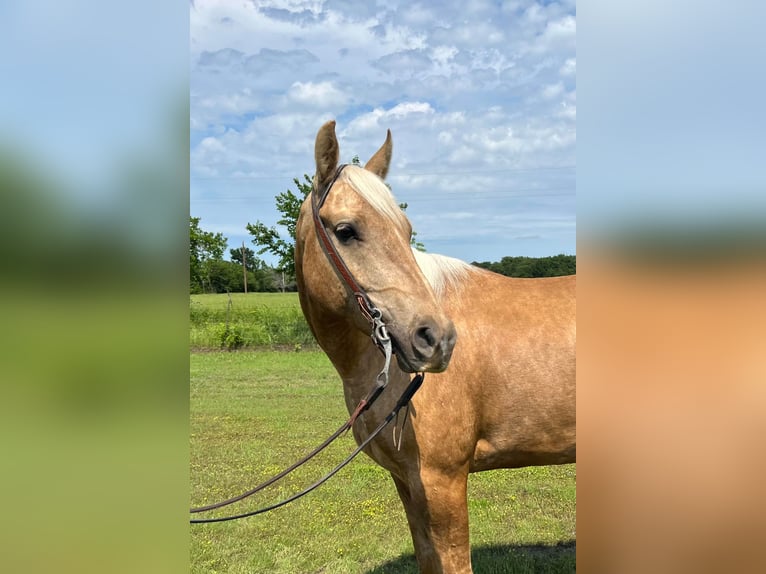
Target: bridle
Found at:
x=382, y=340
x=370, y=312
x=367, y=308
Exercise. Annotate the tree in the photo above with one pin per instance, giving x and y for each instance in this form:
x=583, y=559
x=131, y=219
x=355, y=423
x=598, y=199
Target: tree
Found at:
x=251, y=261
x=227, y=277
x=289, y=204
x=269, y=239
x=260, y=276
x=204, y=248
x=552, y=266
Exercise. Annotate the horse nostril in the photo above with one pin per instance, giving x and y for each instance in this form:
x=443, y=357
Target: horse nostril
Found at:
x=426, y=334
x=424, y=341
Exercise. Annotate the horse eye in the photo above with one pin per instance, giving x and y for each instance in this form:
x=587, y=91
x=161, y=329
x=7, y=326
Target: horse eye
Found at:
x=345, y=232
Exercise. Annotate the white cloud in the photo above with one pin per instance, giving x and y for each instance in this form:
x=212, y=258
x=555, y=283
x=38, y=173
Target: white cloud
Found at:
x=407, y=108
x=558, y=36
x=552, y=91
x=477, y=96
x=319, y=95
x=211, y=144
x=376, y=119
x=569, y=68
x=240, y=102
x=293, y=6
x=418, y=15
x=568, y=111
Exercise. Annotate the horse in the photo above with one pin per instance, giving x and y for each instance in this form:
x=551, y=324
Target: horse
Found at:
x=499, y=352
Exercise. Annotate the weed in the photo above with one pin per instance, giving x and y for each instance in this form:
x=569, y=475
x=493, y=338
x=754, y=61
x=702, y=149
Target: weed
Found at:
x=255, y=320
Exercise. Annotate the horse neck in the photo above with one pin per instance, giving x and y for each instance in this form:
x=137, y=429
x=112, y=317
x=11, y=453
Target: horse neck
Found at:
x=359, y=362
x=352, y=352
x=349, y=349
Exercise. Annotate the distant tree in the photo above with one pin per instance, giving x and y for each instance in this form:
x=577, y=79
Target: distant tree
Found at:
x=205, y=247
x=553, y=266
x=225, y=277
x=252, y=262
x=260, y=275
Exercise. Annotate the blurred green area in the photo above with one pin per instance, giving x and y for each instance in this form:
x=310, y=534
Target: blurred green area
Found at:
x=94, y=184
x=672, y=242
x=94, y=354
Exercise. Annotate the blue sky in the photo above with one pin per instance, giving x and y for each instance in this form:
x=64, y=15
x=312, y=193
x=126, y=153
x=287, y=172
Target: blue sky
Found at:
x=480, y=97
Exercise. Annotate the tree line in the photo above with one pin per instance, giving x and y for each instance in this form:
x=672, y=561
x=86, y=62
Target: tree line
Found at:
x=552, y=266
x=209, y=272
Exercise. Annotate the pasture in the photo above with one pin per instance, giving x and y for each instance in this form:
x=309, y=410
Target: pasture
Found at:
x=252, y=320
x=254, y=412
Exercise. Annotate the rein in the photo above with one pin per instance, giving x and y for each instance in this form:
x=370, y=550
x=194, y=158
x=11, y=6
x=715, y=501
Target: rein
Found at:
x=381, y=339
x=403, y=401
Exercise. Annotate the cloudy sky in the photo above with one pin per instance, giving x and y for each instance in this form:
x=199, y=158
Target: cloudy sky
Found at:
x=480, y=97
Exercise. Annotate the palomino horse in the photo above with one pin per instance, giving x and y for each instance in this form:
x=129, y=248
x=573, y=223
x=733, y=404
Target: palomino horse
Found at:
x=501, y=352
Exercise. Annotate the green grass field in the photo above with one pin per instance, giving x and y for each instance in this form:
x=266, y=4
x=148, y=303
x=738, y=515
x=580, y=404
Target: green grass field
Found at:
x=255, y=412
x=247, y=321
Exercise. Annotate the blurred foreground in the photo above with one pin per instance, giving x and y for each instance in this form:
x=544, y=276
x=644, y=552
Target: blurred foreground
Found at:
x=671, y=401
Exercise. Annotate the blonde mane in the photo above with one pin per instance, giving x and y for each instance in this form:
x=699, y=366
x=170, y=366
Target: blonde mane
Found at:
x=374, y=191
x=442, y=271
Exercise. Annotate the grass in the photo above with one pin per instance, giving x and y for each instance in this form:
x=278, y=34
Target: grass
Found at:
x=247, y=321
x=255, y=412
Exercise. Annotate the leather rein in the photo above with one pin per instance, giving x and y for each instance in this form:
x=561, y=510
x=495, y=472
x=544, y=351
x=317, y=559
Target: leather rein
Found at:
x=381, y=339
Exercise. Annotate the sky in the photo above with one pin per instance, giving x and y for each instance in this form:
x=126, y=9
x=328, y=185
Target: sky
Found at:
x=480, y=97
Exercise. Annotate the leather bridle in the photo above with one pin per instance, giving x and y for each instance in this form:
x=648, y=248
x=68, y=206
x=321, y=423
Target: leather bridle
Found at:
x=369, y=311
x=381, y=339
x=367, y=308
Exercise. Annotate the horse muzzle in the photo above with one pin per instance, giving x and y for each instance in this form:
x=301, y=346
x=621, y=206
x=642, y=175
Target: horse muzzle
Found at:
x=426, y=348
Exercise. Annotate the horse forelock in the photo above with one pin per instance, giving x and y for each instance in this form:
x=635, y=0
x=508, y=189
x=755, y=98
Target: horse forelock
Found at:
x=442, y=271
x=372, y=189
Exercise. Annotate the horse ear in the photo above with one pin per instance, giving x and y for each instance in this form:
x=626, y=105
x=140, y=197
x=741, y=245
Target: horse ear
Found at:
x=379, y=162
x=326, y=153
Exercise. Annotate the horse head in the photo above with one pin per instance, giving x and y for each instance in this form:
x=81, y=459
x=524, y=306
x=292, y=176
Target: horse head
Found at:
x=371, y=236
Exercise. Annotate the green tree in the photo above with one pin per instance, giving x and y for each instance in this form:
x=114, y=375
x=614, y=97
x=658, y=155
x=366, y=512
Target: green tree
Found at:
x=260, y=276
x=251, y=261
x=288, y=204
x=225, y=277
x=552, y=266
x=268, y=239
x=204, y=248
